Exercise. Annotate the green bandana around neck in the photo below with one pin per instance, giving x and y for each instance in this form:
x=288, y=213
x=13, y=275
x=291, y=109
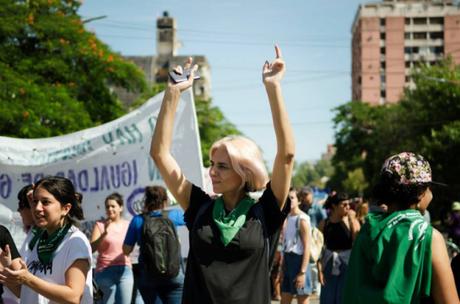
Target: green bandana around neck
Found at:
x=230, y=224
x=48, y=244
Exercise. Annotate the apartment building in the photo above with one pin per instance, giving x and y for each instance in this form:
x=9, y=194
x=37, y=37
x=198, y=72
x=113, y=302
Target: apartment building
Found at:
x=391, y=37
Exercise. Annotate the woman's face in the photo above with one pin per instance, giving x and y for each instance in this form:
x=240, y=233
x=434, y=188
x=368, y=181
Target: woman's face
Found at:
x=47, y=211
x=294, y=200
x=224, y=178
x=113, y=210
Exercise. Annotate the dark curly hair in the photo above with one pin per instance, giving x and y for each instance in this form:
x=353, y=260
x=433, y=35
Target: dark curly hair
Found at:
x=390, y=191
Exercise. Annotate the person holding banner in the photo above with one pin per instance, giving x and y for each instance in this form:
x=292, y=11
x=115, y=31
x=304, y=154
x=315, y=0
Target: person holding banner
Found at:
x=231, y=236
x=57, y=266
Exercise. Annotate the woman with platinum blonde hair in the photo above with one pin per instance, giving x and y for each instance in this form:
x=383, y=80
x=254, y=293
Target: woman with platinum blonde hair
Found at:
x=246, y=159
x=231, y=236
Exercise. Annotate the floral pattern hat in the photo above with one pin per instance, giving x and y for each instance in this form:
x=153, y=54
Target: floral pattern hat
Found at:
x=409, y=167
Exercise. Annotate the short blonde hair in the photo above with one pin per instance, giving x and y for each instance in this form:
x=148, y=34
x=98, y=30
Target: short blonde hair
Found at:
x=246, y=159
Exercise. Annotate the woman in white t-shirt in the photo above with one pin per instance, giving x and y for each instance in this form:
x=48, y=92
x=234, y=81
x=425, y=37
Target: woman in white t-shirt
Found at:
x=56, y=268
x=296, y=254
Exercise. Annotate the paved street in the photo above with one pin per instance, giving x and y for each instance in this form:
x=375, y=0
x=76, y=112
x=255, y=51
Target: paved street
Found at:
x=313, y=300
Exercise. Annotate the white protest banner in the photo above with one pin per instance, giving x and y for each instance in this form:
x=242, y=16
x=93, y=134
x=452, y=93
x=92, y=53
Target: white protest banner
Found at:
x=113, y=157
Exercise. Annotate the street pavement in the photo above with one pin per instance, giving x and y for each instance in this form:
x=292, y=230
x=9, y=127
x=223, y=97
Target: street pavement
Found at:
x=313, y=300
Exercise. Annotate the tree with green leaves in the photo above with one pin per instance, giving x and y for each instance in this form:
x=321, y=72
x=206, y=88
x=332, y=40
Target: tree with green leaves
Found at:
x=426, y=121
x=56, y=77
x=312, y=174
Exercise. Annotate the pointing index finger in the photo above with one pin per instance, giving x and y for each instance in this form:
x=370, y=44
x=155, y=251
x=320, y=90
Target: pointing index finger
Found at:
x=277, y=51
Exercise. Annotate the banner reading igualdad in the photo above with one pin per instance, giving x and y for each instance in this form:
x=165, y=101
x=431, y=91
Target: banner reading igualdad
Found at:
x=101, y=160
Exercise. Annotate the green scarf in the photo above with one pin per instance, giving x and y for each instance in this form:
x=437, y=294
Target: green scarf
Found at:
x=391, y=260
x=230, y=224
x=48, y=244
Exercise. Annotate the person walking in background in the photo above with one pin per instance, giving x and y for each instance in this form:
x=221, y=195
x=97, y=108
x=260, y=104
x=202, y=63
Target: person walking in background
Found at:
x=317, y=213
x=453, y=223
x=398, y=257
x=113, y=268
x=339, y=230
x=152, y=288
x=296, y=254
x=58, y=266
x=231, y=235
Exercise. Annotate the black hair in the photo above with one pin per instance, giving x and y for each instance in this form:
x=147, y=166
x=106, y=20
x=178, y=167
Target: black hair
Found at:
x=23, y=201
x=390, y=191
x=335, y=199
x=115, y=197
x=63, y=190
x=155, y=197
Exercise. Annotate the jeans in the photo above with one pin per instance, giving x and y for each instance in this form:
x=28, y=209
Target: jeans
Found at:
x=168, y=291
x=116, y=283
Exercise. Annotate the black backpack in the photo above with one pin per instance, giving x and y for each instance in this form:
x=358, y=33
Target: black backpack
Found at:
x=160, y=247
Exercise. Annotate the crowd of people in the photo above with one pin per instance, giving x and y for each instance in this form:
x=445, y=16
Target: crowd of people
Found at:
x=237, y=241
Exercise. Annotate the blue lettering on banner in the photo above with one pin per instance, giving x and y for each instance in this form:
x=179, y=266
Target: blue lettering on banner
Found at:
x=152, y=122
x=26, y=178
x=122, y=136
x=135, y=201
x=96, y=179
x=83, y=180
x=5, y=185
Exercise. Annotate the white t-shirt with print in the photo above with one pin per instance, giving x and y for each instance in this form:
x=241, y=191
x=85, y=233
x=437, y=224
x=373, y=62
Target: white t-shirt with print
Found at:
x=74, y=246
x=292, y=241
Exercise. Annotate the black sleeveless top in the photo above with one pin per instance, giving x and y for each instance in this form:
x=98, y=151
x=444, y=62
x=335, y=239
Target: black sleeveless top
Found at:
x=337, y=236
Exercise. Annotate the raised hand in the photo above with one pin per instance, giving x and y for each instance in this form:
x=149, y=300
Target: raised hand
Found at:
x=273, y=72
x=182, y=86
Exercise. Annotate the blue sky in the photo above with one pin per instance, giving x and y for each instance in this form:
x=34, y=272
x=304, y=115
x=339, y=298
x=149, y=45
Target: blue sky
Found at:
x=237, y=36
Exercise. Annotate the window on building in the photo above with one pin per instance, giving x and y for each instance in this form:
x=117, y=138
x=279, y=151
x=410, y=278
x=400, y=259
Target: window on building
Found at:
x=436, y=35
x=436, y=20
x=359, y=79
x=407, y=21
x=420, y=35
x=407, y=50
x=382, y=50
x=406, y=35
x=382, y=36
x=415, y=50
x=383, y=65
x=438, y=50
x=407, y=79
x=382, y=22
x=383, y=93
x=407, y=64
x=420, y=20
x=382, y=78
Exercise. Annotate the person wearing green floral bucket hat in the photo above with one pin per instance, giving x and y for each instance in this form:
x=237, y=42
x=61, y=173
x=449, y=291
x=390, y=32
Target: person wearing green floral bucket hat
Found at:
x=397, y=256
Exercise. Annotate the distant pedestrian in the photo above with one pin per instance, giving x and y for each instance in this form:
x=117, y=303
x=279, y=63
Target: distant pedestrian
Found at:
x=113, y=274
x=168, y=290
x=398, y=257
x=296, y=254
x=339, y=230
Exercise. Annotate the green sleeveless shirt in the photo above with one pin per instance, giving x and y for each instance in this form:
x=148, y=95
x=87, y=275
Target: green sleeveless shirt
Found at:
x=391, y=260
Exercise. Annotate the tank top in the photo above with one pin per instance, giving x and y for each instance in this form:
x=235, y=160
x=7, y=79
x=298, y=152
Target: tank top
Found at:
x=337, y=236
x=111, y=248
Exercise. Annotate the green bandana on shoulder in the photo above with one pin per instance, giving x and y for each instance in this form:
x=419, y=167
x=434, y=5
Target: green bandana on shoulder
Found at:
x=230, y=224
x=48, y=244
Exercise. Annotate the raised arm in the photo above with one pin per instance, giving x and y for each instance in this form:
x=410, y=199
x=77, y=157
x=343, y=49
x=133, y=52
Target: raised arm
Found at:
x=160, y=149
x=284, y=159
